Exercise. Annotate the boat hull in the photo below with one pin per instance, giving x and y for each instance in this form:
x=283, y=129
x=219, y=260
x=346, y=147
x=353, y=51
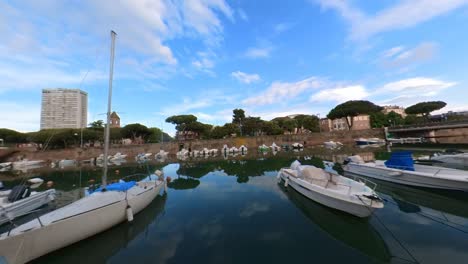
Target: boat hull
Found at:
x=359, y=210
x=26, y=246
x=405, y=177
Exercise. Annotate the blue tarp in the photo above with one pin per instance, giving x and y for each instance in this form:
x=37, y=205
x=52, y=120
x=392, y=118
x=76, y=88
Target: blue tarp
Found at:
x=121, y=186
x=401, y=160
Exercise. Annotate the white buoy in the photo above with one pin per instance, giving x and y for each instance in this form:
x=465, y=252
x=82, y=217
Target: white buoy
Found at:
x=129, y=214
x=286, y=182
x=165, y=186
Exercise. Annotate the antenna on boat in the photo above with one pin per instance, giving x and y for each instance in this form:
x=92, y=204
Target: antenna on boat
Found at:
x=107, y=130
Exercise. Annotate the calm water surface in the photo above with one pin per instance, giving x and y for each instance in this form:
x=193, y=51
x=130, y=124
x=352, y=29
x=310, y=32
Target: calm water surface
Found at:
x=234, y=211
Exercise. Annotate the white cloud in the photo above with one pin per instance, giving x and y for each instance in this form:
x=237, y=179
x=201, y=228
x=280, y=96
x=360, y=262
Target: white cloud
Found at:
x=18, y=117
x=242, y=14
x=258, y=52
x=405, y=14
x=281, y=91
x=400, y=57
x=341, y=94
x=75, y=42
x=411, y=90
x=392, y=51
x=417, y=85
x=282, y=27
x=254, y=208
x=245, y=77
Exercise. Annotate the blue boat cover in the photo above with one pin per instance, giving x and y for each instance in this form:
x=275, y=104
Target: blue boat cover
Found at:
x=402, y=160
x=121, y=186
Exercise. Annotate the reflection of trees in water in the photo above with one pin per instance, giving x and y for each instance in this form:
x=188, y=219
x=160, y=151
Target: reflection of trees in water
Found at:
x=241, y=169
x=67, y=180
x=183, y=184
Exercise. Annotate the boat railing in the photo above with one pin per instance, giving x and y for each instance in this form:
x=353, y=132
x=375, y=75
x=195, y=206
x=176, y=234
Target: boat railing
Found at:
x=367, y=182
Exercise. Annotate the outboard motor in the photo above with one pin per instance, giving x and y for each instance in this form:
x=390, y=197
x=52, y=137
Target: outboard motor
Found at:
x=19, y=192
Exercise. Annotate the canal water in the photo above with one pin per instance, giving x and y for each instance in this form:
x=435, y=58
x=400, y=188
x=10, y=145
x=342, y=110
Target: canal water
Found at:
x=233, y=210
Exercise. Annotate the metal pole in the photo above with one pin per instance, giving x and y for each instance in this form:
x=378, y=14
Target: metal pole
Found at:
x=81, y=144
x=109, y=100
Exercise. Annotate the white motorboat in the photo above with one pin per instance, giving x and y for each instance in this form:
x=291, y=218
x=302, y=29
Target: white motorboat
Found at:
x=263, y=148
x=451, y=158
x=297, y=146
x=332, y=190
x=275, y=147
x=24, y=164
x=5, y=165
x=243, y=149
x=369, y=141
x=118, y=156
x=20, y=201
x=333, y=144
x=401, y=169
x=213, y=152
x=225, y=149
x=182, y=152
x=66, y=163
x=233, y=150
x=95, y=213
x=161, y=154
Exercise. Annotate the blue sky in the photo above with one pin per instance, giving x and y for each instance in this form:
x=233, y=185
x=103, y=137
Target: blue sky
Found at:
x=207, y=57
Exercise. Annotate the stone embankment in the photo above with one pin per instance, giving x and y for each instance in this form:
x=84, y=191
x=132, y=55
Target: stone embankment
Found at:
x=345, y=137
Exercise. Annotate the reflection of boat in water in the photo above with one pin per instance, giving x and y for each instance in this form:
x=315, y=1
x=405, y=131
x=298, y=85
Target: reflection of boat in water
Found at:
x=409, y=197
x=355, y=232
x=100, y=248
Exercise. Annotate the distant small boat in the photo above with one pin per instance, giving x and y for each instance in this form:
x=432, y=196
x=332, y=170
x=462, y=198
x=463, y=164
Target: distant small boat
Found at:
x=451, y=158
x=118, y=156
x=18, y=165
x=233, y=150
x=333, y=144
x=21, y=200
x=332, y=190
x=400, y=168
x=182, y=152
x=161, y=154
x=297, y=146
x=263, y=148
x=242, y=149
x=369, y=141
x=5, y=165
x=225, y=149
x=275, y=147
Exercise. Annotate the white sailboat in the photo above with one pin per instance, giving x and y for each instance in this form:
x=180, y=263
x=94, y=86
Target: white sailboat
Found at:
x=101, y=210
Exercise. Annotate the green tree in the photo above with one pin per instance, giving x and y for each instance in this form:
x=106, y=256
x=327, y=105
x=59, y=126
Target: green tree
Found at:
x=238, y=116
x=181, y=121
x=309, y=122
x=353, y=108
x=271, y=128
x=252, y=126
x=134, y=131
x=378, y=120
x=155, y=136
x=425, y=108
x=395, y=119
x=12, y=136
x=97, y=124
x=286, y=123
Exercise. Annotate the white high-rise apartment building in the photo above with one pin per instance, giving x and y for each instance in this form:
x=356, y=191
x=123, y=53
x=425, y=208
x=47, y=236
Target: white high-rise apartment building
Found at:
x=64, y=108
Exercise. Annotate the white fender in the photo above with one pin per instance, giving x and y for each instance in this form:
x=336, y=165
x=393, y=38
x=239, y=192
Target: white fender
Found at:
x=286, y=182
x=129, y=214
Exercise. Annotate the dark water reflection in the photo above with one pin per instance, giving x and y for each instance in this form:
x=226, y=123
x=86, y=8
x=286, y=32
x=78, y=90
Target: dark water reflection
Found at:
x=234, y=211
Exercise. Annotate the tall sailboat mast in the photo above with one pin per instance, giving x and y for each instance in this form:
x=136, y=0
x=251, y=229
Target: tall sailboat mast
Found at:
x=109, y=100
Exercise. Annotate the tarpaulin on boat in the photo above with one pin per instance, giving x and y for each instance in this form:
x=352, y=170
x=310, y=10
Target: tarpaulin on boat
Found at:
x=121, y=186
x=402, y=160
